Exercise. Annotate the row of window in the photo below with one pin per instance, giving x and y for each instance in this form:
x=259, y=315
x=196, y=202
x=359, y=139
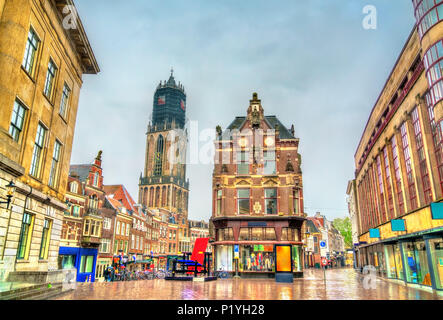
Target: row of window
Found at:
x=243, y=161
x=244, y=201
x=258, y=234
x=423, y=6
x=376, y=196
x=26, y=231
x=122, y=230
x=433, y=60
x=429, y=19
x=137, y=242
x=15, y=129
x=20, y=111
x=29, y=64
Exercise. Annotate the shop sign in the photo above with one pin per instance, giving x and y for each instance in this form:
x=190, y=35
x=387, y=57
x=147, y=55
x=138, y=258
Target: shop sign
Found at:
x=398, y=225
x=437, y=210
x=374, y=233
x=257, y=224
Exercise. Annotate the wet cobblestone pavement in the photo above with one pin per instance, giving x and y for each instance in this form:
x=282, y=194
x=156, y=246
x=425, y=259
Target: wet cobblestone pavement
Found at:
x=341, y=284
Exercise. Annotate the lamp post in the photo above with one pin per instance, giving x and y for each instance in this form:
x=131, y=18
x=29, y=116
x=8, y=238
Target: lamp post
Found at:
x=10, y=189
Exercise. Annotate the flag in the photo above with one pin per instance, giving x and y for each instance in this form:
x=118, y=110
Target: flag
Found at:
x=182, y=105
x=161, y=100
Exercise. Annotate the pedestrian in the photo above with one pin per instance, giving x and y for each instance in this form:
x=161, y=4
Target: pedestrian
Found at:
x=106, y=274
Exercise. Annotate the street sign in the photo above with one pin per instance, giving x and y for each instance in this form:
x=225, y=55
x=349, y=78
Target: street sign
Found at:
x=322, y=244
x=236, y=251
x=324, y=262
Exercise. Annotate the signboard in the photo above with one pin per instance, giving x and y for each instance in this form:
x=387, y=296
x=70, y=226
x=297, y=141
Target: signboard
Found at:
x=374, y=233
x=283, y=258
x=398, y=225
x=236, y=252
x=322, y=244
x=437, y=210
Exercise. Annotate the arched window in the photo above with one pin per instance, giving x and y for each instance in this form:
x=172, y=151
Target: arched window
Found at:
x=158, y=157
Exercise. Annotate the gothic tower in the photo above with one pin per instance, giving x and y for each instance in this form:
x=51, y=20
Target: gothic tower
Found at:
x=163, y=183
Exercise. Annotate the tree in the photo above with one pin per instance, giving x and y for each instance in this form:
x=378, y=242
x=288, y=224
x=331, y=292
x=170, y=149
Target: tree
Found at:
x=345, y=228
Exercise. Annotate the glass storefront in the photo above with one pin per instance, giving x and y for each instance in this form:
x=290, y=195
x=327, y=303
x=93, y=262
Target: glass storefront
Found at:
x=394, y=265
x=296, y=258
x=436, y=248
x=416, y=260
x=223, y=258
x=257, y=258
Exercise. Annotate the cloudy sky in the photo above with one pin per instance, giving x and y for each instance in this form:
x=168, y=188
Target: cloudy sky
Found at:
x=311, y=62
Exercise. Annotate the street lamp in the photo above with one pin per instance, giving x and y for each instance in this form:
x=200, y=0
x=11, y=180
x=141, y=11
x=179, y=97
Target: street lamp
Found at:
x=10, y=189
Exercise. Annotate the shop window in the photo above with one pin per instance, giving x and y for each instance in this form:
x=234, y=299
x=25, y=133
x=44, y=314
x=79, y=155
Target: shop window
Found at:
x=258, y=258
x=86, y=264
x=296, y=262
x=66, y=261
x=244, y=234
x=225, y=234
x=270, y=234
x=289, y=234
x=416, y=260
x=436, y=248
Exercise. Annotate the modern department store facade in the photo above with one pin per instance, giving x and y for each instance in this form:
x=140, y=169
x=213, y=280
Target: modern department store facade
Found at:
x=399, y=163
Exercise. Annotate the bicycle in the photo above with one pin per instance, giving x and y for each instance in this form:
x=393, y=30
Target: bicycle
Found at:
x=221, y=274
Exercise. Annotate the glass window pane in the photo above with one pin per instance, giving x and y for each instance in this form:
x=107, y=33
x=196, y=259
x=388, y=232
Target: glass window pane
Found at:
x=243, y=193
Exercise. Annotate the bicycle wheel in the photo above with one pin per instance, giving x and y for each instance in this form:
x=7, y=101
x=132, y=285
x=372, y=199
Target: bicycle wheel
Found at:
x=161, y=274
x=223, y=275
x=150, y=276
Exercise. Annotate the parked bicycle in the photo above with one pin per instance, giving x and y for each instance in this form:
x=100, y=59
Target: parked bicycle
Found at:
x=220, y=273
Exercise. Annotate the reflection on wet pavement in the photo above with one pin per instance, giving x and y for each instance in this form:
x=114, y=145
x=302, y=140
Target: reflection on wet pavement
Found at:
x=341, y=284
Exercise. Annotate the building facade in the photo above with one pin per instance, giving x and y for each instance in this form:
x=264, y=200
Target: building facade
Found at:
x=257, y=194
x=399, y=163
x=83, y=221
x=42, y=65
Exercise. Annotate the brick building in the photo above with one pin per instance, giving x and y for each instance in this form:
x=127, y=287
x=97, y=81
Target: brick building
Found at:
x=257, y=193
x=42, y=65
x=85, y=199
x=399, y=162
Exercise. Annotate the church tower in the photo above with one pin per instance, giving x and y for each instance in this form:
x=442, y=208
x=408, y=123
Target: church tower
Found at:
x=163, y=183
